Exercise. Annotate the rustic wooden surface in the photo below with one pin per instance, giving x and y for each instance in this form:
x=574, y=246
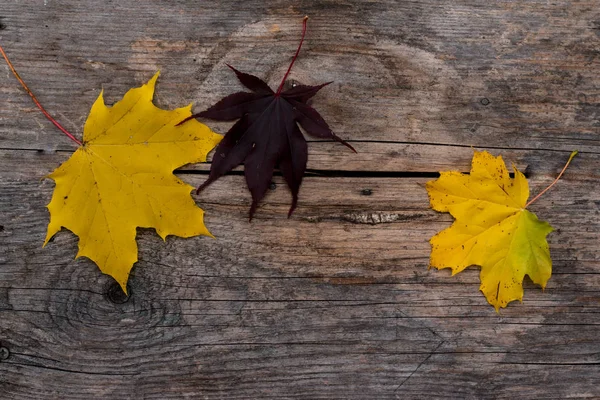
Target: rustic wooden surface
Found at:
x=336, y=302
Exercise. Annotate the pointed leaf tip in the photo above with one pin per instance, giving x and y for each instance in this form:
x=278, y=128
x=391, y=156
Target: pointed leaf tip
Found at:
x=186, y=120
x=123, y=286
x=152, y=82
x=291, y=211
x=254, y=83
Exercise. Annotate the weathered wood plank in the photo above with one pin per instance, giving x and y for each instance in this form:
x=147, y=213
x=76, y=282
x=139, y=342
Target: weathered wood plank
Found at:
x=350, y=301
x=473, y=74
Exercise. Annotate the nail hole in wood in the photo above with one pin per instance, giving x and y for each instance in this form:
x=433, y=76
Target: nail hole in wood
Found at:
x=485, y=101
x=4, y=353
x=273, y=186
x=366, y=192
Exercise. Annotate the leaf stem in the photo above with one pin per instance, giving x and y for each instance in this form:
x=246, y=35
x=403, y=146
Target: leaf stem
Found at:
x=35, y=100
x=280, y=88
x=573, y=154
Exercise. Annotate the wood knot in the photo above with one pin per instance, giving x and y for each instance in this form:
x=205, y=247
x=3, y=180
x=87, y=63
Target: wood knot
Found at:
x=115, y=294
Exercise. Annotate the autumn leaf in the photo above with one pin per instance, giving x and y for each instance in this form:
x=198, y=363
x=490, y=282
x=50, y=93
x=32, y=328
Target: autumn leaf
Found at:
x=267, y=133
x=121, y=178
x=493, y=229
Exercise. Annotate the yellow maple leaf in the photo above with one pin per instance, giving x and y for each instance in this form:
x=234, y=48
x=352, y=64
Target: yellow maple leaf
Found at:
x=121, y=178
x=493, y=229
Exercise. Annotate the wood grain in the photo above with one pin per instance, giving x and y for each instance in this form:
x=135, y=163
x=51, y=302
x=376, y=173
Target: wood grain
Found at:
x=336, y=302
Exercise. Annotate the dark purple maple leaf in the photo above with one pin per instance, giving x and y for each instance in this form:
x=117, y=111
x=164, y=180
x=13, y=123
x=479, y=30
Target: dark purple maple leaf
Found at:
x=267, y=133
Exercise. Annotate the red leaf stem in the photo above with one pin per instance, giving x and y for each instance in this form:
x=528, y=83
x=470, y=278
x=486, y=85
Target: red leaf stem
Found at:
x=35, y=100
x=280, y=88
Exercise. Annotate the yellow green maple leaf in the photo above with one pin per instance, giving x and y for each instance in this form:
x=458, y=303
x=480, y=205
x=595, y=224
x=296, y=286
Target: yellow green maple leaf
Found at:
x=492, y=228
x=121, y=178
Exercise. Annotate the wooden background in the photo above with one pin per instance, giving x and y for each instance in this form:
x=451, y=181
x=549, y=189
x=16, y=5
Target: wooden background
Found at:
x=338, y=301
